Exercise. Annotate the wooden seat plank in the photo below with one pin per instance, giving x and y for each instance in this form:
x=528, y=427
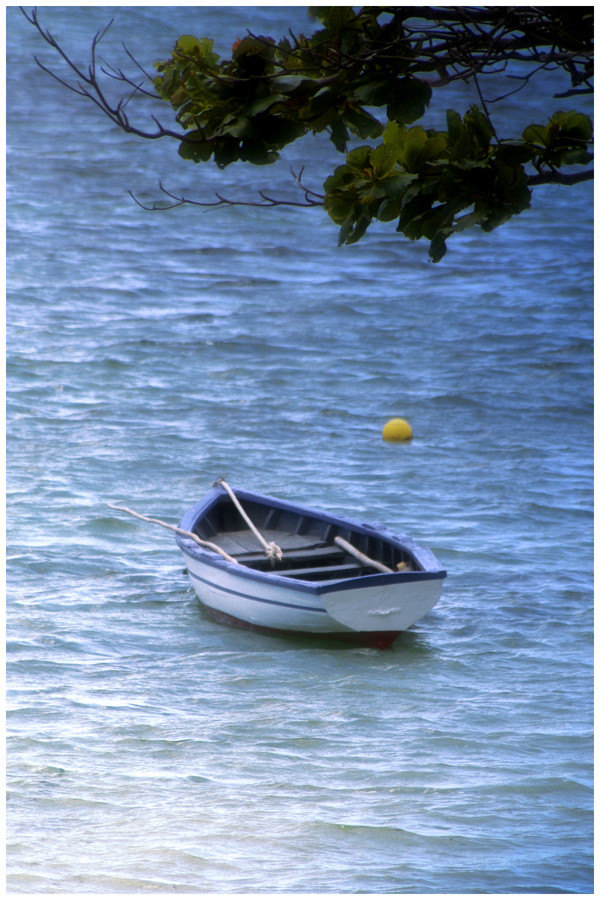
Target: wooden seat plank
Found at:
x=329, y=573
x=306, y=554
x=245, y=542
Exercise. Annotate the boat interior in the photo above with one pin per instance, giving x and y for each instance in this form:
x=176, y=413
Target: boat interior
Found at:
x=308, y=543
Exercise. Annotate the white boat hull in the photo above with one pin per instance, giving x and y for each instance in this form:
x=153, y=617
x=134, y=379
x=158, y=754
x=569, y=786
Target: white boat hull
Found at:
x=374, y=607
x=392, y=607
x=271, y=606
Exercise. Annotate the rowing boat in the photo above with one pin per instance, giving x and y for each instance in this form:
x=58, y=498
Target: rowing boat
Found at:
x=271, y=565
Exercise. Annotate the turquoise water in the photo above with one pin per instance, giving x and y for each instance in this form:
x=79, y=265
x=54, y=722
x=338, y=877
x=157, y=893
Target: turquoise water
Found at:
x=152, y=750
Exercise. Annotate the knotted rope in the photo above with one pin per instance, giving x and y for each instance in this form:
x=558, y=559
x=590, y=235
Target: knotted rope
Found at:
x=272, y=550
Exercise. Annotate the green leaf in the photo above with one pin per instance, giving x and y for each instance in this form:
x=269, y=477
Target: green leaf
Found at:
x=410, y=221
x=511, y=186
x=414, y=144
x=189, y=47
x=347, y=226
x=340, y=195
x=277, y=131
x=388, y=210
x=339, y=133
x=255, y=152
x=333, y=17
x=395, y=135
x=238, y=127
x=359, y=158
x=263, y=104
x=397, y=195
x=468, y=221
x=397, y=185
x=456, y=129
x=253, y=55
x=571, y=126
x=539, y=135
x=409, y=99
x=437, y=248
x=576, y=158
x=360, y=122
x=480, y=128
x=496, y=217
x=339, y=208
x=324, y=101
x=574, y=124
x=436, y=218
x=371, y=91
x=196, y=150
x=468, y=138
x=358, y=231
x=421, y=147
x=514, y=152
x=383, y=159
x=226, y=152
x=341, y=178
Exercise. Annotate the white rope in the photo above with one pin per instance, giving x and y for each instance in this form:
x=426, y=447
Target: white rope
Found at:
x=272, y=549
x=189, y=534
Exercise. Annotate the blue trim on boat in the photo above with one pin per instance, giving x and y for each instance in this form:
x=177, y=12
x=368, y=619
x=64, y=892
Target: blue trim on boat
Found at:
x=215, y=494
x=210, y=558
x=366, y=581
x=317, y=588
x=225, y=590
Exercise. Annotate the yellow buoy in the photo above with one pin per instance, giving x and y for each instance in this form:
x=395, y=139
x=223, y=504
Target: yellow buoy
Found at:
x=396, y=430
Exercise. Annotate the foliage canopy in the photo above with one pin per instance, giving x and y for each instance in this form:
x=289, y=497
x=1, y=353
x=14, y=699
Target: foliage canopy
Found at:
x=368, y=75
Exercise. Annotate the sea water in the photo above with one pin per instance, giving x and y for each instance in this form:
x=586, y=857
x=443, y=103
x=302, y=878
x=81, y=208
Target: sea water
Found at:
x=153, y=750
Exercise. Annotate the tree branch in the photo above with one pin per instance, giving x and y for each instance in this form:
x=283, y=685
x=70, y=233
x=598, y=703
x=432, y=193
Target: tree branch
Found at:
x=560, y=178
x=87, y=85
x=311, y=199
x=269, y=95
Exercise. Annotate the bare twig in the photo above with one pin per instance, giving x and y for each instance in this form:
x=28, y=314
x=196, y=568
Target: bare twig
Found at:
x=311, y=198
x=556, y=177
x=87, y=84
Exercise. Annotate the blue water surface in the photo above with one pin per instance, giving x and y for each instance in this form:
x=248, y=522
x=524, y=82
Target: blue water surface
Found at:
x=151, y=750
